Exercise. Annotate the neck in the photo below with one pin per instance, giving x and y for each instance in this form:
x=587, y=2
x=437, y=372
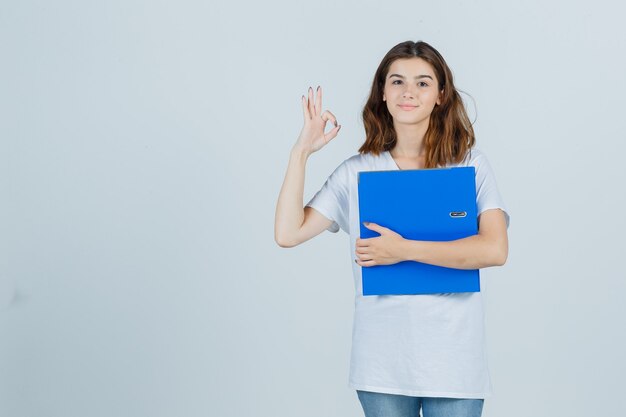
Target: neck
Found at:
x=410, y=140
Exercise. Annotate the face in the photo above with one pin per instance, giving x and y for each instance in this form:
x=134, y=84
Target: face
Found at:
x=411, y=82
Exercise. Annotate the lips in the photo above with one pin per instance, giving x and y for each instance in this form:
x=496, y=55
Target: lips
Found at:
x=406, y=106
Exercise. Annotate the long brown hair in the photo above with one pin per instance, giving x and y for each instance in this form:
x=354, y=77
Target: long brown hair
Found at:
x=449, y=135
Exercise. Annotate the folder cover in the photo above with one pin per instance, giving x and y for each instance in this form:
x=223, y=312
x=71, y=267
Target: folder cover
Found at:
x=436, y=204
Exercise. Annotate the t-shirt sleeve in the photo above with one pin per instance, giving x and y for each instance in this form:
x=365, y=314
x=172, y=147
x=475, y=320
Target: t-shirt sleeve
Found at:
x=332, y=200
x=487, y=194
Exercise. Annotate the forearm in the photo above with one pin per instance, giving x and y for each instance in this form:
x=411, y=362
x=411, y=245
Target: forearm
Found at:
x=473, y=252
x=289, y=210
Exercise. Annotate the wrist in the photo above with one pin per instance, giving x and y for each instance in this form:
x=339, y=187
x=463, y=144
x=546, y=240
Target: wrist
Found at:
x=298, y=152
x=408, y=249
x=405, y=249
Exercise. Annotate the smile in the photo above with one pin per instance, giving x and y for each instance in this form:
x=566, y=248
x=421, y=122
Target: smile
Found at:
x=408, y=107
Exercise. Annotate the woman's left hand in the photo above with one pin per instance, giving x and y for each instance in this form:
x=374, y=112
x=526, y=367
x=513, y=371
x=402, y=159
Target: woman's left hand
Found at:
x=385, y=249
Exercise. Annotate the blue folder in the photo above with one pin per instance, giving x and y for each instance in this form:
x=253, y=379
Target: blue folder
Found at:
x=437, y=204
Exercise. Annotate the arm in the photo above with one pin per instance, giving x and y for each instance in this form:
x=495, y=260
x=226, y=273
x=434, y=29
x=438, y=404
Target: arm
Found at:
x=293, y=224
x=488, y=248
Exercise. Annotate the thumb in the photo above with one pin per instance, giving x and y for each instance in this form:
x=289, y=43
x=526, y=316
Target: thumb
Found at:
x=375, y=227
x=332, y=133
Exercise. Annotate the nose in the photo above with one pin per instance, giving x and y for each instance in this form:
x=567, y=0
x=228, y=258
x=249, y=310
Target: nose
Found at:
x=409, y=91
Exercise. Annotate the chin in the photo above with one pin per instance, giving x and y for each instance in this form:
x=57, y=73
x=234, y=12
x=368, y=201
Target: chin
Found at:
x=409, y=121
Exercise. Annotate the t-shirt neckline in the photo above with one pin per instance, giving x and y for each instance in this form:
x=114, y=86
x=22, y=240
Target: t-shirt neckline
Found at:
x=393, y=162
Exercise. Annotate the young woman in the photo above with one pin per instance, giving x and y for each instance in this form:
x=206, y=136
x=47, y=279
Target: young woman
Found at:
x=409, y=352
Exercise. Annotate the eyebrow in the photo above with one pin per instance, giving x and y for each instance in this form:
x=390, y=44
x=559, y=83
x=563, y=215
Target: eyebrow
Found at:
x=416, y=77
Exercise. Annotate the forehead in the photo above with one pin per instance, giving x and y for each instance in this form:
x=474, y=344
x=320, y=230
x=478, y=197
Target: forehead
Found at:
x=411, y=67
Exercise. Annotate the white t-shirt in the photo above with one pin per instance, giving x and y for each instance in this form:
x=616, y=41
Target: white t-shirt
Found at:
x=425, y=345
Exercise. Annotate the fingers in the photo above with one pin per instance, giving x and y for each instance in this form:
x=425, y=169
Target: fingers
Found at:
x=362, y=243
x=363, y=255
x=368, y=262
x=305, y=109
x=318, y=105
x=308, y=109
x=311, y=103
x=312, y=107
x=331, y=134
x=327, y=115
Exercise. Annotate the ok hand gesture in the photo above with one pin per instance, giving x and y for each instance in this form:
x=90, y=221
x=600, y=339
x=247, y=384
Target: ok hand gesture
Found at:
x=312, y=137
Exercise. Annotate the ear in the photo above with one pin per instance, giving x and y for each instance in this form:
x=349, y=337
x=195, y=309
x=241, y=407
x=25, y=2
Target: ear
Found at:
x=384, y=97
x=439, y=98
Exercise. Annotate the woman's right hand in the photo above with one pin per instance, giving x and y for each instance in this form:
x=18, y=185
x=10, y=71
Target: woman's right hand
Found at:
x=312, y=137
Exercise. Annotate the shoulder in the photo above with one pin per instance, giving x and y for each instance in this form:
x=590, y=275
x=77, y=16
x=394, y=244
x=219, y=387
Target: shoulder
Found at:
x=347, y=171
x=358, y=159
x=475, y=157
x=351, y=164
x=341, y=175
x=362, y=162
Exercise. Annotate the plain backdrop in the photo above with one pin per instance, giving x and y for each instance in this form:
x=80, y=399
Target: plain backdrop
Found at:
x=144, y=145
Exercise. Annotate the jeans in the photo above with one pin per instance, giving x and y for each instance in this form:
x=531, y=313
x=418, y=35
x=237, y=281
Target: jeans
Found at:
x=376, y=404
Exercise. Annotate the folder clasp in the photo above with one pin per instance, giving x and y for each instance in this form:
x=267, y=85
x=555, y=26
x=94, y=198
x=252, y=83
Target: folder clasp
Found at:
x=458, y=214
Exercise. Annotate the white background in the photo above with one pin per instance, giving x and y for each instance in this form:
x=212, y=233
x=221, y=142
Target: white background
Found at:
x=144, y=145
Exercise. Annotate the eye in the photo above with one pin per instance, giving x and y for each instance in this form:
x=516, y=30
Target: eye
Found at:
x=421, y=83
